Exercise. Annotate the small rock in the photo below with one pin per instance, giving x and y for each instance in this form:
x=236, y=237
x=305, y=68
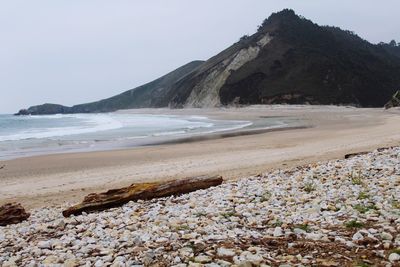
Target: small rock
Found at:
x=99, y=263
x=195, y=264
x=44, y=244
x=70, y=263
x=386, y=236
x=278, y=232
x=394, y=257
x=254, y=259
x=50, y=260
x=225, y=252
x=358, y=236
x=202, y=259
x=313, y=236
x=9, y=264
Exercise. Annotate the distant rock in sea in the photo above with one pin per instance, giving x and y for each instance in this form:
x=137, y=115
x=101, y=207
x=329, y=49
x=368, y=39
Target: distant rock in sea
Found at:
x=289, y=60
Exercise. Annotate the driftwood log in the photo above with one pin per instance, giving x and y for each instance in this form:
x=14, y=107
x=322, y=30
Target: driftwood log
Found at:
x=12, y=213
x=380, y=149
x=117, y=197
x=352, y=155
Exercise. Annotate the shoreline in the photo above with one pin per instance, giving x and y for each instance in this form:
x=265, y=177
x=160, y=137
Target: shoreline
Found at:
x=51, y=180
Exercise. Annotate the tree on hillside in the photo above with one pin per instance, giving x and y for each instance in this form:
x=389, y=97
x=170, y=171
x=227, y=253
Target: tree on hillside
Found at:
x=393, y=43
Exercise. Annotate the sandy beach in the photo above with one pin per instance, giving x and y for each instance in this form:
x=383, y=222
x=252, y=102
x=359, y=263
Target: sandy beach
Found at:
x=329, y=133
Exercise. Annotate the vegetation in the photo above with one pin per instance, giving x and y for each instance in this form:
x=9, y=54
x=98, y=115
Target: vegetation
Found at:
x=277, y=223
x=361, y=264
x=354, y=224
x=364, y=208
x=309, y=187
x=316, y=65
x=363, y=195
x=396, y=204
x=356, y=179
x=304, y=227
x=228, y=214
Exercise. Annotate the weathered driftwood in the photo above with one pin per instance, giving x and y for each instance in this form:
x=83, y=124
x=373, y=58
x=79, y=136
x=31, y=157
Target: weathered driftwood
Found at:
x=380, y=149
x=351, y=155
x=12, y=213
x=394, y=102
x=117, y=197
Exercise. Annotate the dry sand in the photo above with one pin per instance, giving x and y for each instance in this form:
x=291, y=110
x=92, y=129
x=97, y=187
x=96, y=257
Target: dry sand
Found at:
x=334, y=131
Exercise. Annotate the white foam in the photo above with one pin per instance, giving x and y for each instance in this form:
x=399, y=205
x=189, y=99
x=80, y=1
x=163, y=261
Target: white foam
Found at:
x=90, y=123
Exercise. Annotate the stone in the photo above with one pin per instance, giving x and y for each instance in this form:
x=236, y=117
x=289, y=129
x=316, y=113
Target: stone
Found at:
x=357, y=236
x=202, y=259
x=71, y=263
x=255, y=259
x=225, y=252
x=313, y=236
x=386, y=236
x=278, y=232
x=44, y=244
x=9, y=264
x=12, y=213
x=50, y=260
x=393, y=257
x=99, y=263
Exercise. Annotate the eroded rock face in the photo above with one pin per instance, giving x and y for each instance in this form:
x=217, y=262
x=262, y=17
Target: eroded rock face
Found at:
x=206, y=91
x=12, y=213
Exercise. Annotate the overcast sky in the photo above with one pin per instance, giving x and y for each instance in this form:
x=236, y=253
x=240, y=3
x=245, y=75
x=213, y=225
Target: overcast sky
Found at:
x=75, y=51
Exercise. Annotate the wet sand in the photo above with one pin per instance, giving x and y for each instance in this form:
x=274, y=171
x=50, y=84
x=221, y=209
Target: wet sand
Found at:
x=326, y=133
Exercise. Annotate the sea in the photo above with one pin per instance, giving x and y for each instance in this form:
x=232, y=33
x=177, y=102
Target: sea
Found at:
x=22, y=136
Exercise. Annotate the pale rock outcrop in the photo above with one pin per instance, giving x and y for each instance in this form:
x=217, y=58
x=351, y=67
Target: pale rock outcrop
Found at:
x=206, y=92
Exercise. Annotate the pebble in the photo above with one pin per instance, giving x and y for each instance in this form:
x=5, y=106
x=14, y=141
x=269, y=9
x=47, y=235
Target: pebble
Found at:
x=278, y=232
x=386, y=236
x=202, y=259
x=394, y=257
x=357, y=236
x=208, y=227
x=224, y=252
x=44, y=244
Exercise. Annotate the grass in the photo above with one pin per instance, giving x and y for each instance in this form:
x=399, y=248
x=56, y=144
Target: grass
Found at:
x=304, y=227
x=356, y=180
x=363, y=195
x=277, y=223
x=354, y=224
x=265, y=197
x=200, y=214
x=363, y=208
x=396, y=250
x=228, y=214
x=361, y=264
x=309, y=187
x=182, y=227
x=396, y=204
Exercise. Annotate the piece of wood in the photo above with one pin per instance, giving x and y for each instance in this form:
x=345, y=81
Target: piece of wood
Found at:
x=117, y=197
x=12, y=213
x=351, y=155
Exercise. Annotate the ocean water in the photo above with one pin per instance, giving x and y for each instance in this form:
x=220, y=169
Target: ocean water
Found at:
x=32, y=135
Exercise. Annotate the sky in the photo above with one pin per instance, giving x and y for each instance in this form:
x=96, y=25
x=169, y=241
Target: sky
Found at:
x=75, y=51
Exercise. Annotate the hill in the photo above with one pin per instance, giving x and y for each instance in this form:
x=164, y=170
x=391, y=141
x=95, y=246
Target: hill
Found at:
x=147, y=95
x=288, y=60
